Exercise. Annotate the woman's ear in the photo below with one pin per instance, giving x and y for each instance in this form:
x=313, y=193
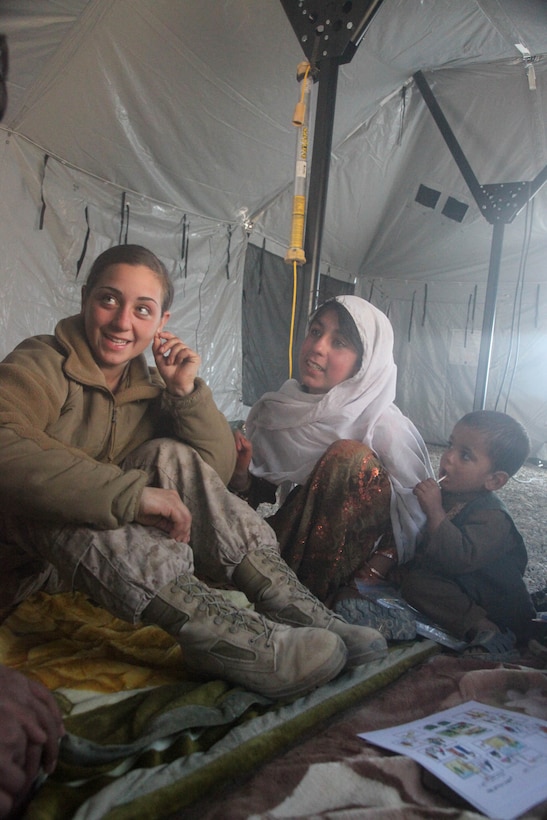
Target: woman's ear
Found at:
x=496, y=480
x=163, y=321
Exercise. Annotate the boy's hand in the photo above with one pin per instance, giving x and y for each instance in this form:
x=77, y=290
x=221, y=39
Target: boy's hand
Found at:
x=429, y=498
x=177, y=363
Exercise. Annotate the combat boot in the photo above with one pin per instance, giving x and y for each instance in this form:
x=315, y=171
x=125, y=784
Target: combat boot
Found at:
x=220, y=640
x=277, y=593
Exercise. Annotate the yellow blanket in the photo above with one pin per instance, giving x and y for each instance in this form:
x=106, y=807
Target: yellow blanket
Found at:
x=65, y=641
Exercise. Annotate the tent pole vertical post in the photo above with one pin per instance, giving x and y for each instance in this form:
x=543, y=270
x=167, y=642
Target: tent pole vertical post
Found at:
x=489, y=316
x=319, y=176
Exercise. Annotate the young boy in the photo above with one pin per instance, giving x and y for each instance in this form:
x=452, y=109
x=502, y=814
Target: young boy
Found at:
x=467, y=574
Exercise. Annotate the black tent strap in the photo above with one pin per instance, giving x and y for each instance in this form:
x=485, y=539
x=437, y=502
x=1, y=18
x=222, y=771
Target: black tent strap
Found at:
x=411, y=315
x=185, y=241
x=43, y=208
x=124, y=220
x=425, y=305
x=86, y=240
x=468, y=318
x=261, y=266
x=228, y=252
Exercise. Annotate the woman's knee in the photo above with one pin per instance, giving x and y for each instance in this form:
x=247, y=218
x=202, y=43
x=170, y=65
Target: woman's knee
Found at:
x=348, y=448
x=155, y=449
x=164, y=457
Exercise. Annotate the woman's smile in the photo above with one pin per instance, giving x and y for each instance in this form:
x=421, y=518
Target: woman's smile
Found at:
x=122, y=314
x=326, y=357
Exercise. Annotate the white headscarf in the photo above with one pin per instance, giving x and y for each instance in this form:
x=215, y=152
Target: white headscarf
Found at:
x=290, y=429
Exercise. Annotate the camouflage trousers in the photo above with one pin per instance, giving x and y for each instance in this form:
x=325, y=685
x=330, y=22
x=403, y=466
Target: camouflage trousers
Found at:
x=122, y=569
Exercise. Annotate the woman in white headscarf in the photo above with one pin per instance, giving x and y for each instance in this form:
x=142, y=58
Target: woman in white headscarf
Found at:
x=350, y=456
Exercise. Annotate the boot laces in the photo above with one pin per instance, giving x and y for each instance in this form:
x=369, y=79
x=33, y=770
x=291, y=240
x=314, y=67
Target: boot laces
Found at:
x=222, y=610
x=292, y=581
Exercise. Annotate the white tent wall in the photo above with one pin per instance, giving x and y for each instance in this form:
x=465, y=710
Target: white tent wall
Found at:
x=435, y=270
x=181, y=111
x=45, y=266
x=179, y=101
x=437, y=346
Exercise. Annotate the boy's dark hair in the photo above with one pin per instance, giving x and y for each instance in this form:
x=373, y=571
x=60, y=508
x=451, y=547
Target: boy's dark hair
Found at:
x=507, y=442
x=132, y=255
x=347, y=326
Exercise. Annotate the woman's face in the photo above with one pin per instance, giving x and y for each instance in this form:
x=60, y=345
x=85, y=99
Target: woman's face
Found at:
x=326, y=356
x=121, y=315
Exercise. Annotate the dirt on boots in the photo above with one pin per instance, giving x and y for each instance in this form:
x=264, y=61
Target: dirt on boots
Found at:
x=219, y=640
x=277, y=593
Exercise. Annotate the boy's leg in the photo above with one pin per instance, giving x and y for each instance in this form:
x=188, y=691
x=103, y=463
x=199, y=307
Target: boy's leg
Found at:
x=444, y=602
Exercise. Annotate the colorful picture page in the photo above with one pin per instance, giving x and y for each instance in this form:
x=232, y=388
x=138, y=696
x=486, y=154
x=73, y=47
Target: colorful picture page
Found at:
x=494, y=758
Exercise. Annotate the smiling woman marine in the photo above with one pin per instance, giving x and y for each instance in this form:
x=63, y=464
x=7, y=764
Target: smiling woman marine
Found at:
x=350, y=455
x=113, y=484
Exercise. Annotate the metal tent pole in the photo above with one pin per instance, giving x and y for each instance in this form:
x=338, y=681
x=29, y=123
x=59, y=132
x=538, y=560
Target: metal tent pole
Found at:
x=499, y=203
x=489, y=317
x=330, y=32
x=319, y=176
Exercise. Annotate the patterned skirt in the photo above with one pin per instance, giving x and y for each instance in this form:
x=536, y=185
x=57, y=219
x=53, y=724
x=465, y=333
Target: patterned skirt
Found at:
x=330, y=526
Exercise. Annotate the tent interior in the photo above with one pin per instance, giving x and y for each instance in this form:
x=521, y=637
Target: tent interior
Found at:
x=169, y=124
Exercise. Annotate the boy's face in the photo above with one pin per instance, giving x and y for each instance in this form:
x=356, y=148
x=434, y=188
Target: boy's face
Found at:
x=466, y=465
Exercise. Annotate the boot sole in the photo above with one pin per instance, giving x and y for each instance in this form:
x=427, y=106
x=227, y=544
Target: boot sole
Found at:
x=320, y=676
x=366, y=657
x=330, y=669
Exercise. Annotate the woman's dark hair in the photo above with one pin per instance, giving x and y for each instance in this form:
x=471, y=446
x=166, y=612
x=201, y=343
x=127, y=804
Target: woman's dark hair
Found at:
x=132, y=255
x=347, y=326
x=505, y=439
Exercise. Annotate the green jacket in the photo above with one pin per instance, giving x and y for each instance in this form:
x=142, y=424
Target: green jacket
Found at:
x=63, y=433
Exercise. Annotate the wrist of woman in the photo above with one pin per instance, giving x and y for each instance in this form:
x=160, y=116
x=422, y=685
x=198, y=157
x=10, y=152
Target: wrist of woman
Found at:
x=181, y=392
x=240, y=484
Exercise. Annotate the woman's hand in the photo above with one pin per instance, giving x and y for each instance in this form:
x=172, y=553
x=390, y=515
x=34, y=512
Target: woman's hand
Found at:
x=164, y=509
x=32, y=727
x=239, y=481
x=177, y=363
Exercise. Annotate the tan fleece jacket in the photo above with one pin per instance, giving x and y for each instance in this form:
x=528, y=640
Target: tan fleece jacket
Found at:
x=63, y=433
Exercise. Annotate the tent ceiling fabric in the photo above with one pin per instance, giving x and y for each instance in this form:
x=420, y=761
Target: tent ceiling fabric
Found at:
x=166, y=83
x=186, y=107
